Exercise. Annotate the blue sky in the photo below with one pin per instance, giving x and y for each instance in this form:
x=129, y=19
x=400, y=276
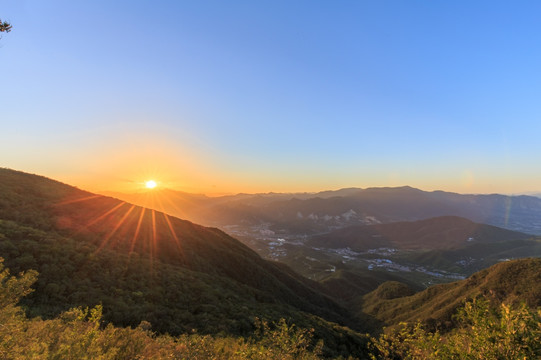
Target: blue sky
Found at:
x=218, y=97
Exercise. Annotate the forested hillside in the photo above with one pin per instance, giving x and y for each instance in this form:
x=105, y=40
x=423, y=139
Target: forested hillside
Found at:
x=143, y=265
x=511, y=282
x=482, y=330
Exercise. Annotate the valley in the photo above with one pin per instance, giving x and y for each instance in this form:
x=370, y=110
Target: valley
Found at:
x=318, y=263
x=476, y=246
x=400, y=234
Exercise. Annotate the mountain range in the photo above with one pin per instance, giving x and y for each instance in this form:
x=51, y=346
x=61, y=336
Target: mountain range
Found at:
x=142, y=264
x=421, y=237
x=310, y=213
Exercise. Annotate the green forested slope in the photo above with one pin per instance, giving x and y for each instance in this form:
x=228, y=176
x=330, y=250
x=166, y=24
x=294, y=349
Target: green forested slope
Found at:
x=144, y=265
x=509, y=282
x=80, y=333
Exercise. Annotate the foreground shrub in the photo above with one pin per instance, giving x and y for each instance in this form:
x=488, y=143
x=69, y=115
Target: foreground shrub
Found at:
x=483, y=332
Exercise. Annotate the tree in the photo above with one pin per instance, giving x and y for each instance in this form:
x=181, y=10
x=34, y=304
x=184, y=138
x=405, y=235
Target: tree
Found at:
x=5, y=26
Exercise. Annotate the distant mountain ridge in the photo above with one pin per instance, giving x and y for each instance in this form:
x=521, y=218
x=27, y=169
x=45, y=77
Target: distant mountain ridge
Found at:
x=312, y=213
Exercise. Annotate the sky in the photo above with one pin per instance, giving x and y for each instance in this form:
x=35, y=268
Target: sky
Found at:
x=233, y=96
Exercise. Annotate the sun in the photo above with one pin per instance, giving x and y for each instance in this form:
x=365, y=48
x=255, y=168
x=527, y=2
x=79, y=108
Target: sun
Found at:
x=151, y=184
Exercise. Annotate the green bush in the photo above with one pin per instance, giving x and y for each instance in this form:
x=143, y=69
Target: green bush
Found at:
x=483, y=332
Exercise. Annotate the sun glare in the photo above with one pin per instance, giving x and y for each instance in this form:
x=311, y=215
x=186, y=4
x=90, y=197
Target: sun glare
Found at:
x=151, y=184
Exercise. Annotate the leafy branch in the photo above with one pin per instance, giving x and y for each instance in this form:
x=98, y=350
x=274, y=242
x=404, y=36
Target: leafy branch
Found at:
x=5, y=26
